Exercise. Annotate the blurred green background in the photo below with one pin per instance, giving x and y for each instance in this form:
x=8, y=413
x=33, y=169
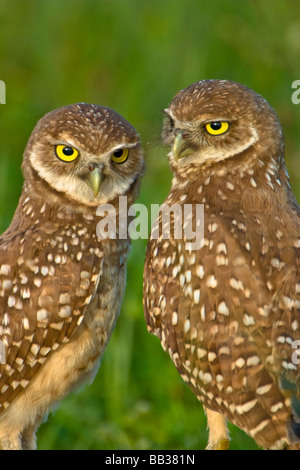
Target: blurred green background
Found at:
x=133, y=56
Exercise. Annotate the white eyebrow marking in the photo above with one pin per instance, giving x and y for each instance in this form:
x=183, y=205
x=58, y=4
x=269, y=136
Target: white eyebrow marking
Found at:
x=169, y=113
x=122, y=145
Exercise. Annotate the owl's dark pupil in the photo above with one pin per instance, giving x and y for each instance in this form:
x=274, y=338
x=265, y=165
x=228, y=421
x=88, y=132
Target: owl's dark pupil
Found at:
x=68, y=151
x=216, y=125
x=118, y=153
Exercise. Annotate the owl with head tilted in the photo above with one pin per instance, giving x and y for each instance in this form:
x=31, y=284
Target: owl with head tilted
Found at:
x=228, y=312
x=61, y=286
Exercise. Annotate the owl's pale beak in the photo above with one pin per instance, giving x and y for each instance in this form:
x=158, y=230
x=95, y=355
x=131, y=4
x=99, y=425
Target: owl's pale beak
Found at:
x=181, y=147
x=94, y=180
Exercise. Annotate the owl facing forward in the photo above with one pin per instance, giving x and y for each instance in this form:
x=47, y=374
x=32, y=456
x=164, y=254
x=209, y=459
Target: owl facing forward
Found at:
x=61, y=286
x=228, y=312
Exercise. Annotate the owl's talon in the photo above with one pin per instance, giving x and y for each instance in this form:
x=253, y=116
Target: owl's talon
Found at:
x=222, y=444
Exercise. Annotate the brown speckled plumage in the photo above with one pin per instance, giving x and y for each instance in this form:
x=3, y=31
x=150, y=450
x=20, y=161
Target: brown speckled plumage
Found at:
x=61, y=287
x=228, y=313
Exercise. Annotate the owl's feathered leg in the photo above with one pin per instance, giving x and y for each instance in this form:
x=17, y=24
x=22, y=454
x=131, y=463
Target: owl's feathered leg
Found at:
x=11, y=442
x=29, y=437
x=218, y=438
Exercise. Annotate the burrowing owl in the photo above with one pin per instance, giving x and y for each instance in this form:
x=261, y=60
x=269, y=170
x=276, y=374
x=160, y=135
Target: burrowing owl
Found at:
x=228, y=312
x=61, y=286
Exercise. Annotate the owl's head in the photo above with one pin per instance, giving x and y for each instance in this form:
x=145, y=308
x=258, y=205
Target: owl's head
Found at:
x=84, y=152
x=215, y=120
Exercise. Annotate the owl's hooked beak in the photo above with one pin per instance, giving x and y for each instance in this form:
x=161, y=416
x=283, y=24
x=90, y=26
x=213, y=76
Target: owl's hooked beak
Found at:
x=181, y=147
x=95, y=178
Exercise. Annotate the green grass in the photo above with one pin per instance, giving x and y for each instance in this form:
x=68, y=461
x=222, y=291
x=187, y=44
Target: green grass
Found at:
x=134, y=55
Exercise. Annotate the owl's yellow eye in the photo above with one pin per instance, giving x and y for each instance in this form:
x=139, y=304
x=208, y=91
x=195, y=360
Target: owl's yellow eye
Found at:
x=66, y=153
x=120, y=155
x=217, y=127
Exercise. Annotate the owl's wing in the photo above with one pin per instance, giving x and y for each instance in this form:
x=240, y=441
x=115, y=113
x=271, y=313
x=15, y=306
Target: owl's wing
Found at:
x=47, y=280
x=205, y=292
x=241, y=278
